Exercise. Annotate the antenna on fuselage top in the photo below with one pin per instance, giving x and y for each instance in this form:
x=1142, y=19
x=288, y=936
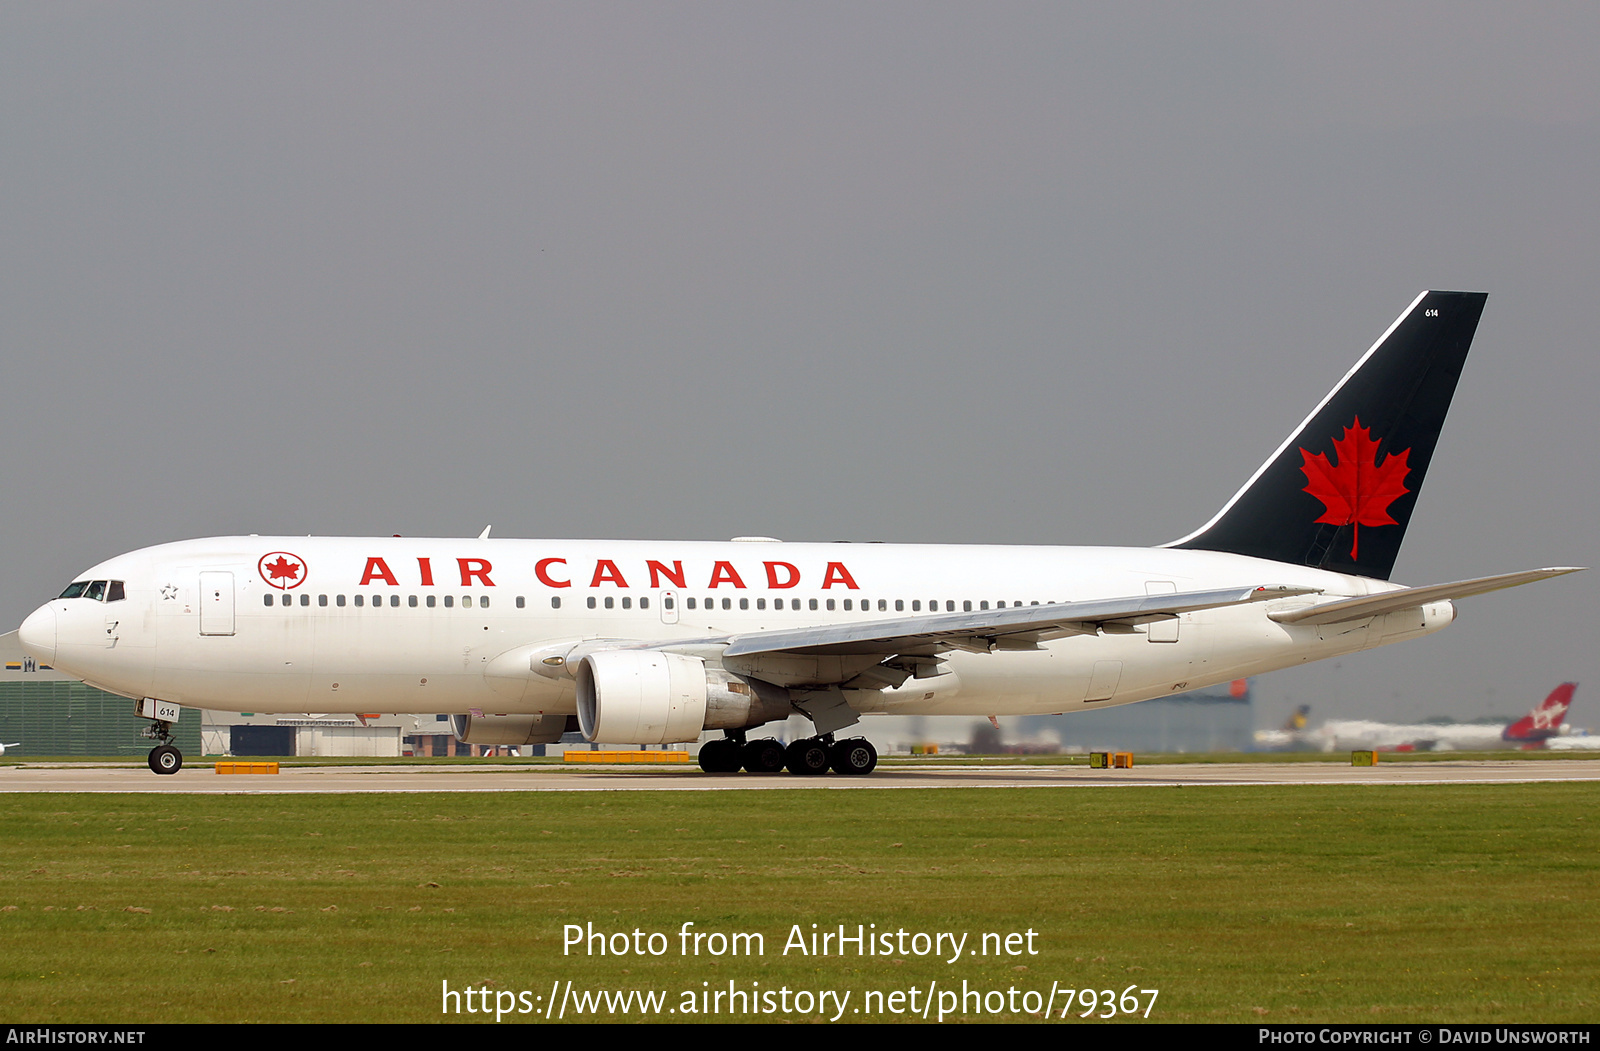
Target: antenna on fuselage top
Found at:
x=485, y=534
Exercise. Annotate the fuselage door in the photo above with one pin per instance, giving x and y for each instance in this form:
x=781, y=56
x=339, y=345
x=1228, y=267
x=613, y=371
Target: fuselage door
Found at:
x=216, y=603
x=669, y=607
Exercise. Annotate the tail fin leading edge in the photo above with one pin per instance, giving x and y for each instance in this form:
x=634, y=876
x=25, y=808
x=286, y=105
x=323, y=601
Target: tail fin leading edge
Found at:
x=1339, y=492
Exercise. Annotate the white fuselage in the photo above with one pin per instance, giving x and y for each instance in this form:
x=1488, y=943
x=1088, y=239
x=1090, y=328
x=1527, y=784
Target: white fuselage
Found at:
x=445, y=626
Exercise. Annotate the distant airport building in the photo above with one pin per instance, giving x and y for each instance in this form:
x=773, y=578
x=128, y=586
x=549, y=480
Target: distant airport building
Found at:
x=332, y=734
x=47, y=713
x=1216, y=719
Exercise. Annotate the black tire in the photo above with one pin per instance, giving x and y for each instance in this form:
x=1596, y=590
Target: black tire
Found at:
x=165, y=759
x=719, y=757
x=722, y=757
x=765, y=756
x=855, y=756
x=807, y=756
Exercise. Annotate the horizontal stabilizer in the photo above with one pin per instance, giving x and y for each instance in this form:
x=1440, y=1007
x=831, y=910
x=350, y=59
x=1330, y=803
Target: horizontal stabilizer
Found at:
x=1407, y=598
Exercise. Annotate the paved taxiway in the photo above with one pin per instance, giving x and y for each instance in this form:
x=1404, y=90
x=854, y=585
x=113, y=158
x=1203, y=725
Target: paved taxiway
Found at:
x=201, y=778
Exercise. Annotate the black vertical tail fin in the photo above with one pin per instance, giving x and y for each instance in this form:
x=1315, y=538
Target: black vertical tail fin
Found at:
x=1339, y=492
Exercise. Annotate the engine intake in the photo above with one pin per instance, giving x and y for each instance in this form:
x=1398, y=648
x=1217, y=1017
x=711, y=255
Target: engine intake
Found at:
x=641, y=696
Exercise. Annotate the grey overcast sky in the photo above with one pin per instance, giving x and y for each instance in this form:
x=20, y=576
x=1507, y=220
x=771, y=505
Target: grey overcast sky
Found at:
x=1005, y=273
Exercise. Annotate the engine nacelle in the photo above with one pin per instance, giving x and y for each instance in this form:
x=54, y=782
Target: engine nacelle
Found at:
x=641, y=696
x=510, y=729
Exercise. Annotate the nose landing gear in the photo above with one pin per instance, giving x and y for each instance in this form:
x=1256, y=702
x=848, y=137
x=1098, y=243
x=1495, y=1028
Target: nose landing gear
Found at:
x=164, y=757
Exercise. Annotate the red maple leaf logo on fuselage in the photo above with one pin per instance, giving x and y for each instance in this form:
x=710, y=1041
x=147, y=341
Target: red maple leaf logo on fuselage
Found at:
x=1358, y=490
x=282, y=569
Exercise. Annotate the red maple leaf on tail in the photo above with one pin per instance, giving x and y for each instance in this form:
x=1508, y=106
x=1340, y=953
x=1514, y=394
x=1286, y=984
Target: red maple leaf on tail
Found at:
x=1358, y=490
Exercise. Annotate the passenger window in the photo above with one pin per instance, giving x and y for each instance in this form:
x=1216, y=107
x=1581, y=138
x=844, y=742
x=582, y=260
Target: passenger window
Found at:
x=627, y=602
x=394, y=601
x=322, y=600
x=983, y=605
x=591, y=602
x=431, y=600
x=644, y=603
x=449, y=602
x=668, y=601
x=115, y=593
x=338, y=600
x=266, y=600
x=466, y=601
x=761, y=603
x=899, y=605
x=916, y=605
x=287, y=599
x=520, y=602
x=689, y=602
x=483, y=601
x=813, y=603
x=360, y=601
x=727, y=603
x=847, y=604
x=883, y=605
x=305, y=600
x=744, y=603
x=830, y=604
x=377, y=600
x=610, y=602
x=966, y=606
x=555, y=601
x=411, y=600
x=950, y=605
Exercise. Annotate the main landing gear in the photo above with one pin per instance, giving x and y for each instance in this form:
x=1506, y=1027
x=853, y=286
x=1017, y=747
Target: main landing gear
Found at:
x=164, y=757
x=808, y=756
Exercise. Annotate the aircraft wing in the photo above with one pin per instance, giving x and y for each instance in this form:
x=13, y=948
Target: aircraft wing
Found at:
x=1011, y=627
x=1407, y=598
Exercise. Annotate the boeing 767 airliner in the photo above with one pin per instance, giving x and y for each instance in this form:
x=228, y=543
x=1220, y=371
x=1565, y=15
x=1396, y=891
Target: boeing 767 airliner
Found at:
x=658, y=642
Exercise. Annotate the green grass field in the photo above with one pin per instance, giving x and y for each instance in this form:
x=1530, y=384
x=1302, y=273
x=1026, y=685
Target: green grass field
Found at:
x=1285, y=904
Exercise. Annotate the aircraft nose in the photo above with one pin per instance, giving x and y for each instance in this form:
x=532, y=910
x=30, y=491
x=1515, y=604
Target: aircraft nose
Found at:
x=38, y=635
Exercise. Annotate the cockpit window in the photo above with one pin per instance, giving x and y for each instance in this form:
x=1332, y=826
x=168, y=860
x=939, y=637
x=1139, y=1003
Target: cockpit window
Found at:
x=98, y=590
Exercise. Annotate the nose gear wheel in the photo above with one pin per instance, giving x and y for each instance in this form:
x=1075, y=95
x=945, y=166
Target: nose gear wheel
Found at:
x=165, y=759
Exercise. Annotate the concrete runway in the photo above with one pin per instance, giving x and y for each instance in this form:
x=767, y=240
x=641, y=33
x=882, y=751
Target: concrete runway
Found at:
x=201, y=778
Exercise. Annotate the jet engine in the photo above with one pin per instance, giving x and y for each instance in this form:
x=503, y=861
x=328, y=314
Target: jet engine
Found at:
x=652, y=697
x=511, y=729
